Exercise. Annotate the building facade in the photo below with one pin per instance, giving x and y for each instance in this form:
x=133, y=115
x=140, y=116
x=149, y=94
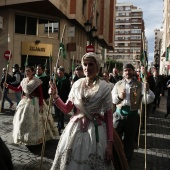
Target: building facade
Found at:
x=129, y=34
x=165, y=47
x=35, y=29
x=157, y=52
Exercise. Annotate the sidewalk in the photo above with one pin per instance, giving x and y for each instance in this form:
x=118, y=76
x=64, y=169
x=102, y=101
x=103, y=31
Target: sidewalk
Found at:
x=157, y=144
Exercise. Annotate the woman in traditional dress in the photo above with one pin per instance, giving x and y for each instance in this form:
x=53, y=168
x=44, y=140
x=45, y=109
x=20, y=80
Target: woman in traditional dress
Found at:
x=28, y=122
x=86, y=142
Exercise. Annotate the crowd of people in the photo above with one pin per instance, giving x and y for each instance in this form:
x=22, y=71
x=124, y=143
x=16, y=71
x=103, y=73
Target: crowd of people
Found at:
x=106, y=109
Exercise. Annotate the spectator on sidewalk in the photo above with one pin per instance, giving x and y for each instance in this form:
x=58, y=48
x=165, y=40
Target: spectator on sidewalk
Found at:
x=5, y=90
x=16, y=81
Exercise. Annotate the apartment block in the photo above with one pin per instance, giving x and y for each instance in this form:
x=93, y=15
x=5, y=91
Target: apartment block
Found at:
x=165, y=47
x=130, y=38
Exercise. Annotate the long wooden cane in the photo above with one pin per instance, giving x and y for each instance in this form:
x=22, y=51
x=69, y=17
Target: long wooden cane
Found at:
x=26, y=64
x=145, y=76
x=6, y=74
x=50, y=103
x=140, y=114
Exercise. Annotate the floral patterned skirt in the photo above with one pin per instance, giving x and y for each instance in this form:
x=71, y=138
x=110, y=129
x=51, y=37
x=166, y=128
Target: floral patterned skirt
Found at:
x=78, y=150
x=28, y=123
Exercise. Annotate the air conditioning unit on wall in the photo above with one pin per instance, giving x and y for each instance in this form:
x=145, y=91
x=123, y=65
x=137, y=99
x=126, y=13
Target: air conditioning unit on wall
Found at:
x=1, y=22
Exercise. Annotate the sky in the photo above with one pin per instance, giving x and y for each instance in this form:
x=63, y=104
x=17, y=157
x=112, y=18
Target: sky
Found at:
x=153, y=17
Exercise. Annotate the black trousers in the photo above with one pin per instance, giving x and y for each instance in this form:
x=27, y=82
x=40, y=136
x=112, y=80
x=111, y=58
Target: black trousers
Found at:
x=127, y=127
x=60, y=117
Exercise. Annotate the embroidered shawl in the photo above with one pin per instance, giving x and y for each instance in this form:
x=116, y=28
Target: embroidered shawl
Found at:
x=29, y=86
x=90, y=101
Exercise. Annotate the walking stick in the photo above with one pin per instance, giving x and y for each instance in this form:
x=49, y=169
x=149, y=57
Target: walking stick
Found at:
x=145, y=125
x=26, y=64
x=50, y=103
x=140, y=124
x=6, y=74
x=145, y=76
x=45, y=65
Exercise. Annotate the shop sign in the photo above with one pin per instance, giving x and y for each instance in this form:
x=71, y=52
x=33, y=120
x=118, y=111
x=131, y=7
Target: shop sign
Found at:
x=29, y=48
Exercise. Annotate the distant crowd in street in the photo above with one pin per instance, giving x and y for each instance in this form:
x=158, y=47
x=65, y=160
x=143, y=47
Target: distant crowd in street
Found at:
x=106, y=110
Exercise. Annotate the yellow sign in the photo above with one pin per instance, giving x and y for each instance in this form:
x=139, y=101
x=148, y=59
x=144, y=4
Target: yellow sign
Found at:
x=29, y=48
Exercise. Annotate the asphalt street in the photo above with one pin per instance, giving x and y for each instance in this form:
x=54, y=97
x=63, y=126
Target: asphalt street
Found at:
x=157, y=156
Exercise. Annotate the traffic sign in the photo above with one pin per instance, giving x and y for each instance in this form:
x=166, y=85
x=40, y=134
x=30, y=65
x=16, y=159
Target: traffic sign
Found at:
x=7, y=55
x=89, y=48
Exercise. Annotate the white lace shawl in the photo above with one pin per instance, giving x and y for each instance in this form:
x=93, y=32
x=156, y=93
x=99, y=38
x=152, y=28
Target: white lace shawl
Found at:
x=29, y=86
x=99, y=97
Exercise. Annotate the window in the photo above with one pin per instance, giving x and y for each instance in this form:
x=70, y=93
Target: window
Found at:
x=36, y=26
x=48, y=28
x=126, y=32
x=135, y=27
x=120, y=8
x=42, y=27
x=135, y=20
x=127, y=8
x=135, y=37
x=31, y=26
x=20, y=22
x=135, y=31
x=121, y=44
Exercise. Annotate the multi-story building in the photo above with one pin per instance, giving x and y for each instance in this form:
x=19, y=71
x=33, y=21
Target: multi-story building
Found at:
x=34, y=29
x=129, y=34
x=165, y=52
x=157, y=52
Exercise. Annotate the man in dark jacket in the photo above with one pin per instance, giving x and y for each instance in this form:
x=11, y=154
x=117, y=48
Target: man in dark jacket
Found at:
x=115, y=77
x=5, y=90
x=16, y=81
x=40, y=73
x=63, y=86
x=156, y=86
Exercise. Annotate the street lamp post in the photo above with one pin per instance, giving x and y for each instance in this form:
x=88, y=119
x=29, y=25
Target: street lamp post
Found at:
x=91, y=31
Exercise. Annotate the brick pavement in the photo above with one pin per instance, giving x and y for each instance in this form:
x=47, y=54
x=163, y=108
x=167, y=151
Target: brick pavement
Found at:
x=158, y=144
